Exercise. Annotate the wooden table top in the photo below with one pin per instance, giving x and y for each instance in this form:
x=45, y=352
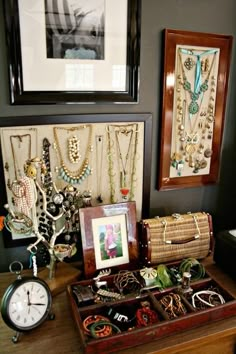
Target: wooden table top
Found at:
x=60, y=335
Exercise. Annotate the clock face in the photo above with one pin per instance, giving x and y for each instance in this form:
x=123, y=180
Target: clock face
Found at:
x=26, y=304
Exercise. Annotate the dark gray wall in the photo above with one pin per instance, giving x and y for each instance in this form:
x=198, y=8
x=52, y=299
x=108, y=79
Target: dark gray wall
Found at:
x=213, y=16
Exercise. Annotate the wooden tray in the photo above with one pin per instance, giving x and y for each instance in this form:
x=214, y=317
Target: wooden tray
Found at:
x=164, y=327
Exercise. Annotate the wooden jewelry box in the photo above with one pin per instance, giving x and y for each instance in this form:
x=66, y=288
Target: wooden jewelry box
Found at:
x=146, y=314
x=129, y=308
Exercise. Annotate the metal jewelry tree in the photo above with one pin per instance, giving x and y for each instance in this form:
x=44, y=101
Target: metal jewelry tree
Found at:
x=56, y=212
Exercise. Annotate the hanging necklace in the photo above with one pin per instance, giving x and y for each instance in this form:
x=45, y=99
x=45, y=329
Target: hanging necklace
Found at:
x=99, y=165
x=20, y=141
x=126, y=139
x=79, y=175
x=110, y=156
x=124, y=161
x=199, y=88
x=134, y=159
x=22, y=187
x=189, y=137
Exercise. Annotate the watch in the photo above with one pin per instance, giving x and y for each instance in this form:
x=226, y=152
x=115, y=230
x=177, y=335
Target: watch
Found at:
x=26, y=303
x=58, y=198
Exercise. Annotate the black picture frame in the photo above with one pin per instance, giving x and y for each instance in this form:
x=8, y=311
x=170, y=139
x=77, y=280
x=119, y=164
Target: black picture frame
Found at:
x=146, y=118
x=19, y=96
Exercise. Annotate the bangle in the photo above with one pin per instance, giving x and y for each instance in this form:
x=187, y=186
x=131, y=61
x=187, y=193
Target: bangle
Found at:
x=207, y=292
x=103, y=332
x=90, y=320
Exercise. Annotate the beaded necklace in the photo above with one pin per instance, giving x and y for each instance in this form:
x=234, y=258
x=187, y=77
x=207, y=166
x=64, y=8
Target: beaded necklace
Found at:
x=79, y=175
x=126, y=157
x=99, y=166
x=22, y=187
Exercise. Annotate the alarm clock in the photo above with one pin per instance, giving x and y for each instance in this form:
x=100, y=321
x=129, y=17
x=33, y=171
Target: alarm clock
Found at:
x=26, y=304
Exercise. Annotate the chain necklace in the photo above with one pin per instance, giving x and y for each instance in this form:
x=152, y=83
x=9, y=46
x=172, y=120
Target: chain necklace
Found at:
x=99, y=164
x=126, y=158
x=79, y=175
x=123, y=167
x=20, y=140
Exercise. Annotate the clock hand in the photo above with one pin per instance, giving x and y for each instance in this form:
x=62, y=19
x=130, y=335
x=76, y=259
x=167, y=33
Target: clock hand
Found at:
x=28, y=298
x=37, y=304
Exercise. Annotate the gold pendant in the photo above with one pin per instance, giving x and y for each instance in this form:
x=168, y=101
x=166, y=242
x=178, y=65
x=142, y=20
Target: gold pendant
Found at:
x=190, y=149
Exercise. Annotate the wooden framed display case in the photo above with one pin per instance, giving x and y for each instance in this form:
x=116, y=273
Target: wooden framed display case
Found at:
x=195, y=82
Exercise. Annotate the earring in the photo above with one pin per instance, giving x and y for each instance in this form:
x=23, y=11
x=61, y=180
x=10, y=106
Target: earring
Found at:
x=189, y=63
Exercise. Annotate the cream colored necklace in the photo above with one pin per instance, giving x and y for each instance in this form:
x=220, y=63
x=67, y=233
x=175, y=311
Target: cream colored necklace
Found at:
x=79, y=175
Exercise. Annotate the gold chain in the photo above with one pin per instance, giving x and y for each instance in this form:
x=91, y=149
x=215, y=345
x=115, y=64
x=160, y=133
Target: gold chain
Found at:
x=20, y=139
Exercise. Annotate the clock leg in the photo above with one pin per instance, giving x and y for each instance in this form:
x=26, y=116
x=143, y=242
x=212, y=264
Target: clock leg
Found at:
x=16, y=337
x=51, y=316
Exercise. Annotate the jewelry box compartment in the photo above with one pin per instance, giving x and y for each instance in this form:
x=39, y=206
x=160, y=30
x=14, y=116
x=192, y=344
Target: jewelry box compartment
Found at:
x=128, y=315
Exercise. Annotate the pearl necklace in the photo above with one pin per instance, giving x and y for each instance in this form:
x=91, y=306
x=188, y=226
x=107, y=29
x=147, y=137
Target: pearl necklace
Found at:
x=79, y=175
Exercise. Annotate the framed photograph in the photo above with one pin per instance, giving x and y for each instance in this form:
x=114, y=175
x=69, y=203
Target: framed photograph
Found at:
x=109, y=237
x=87, y=51
x=196, y=71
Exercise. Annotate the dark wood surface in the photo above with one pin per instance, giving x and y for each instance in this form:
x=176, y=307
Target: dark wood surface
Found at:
x=60, y=335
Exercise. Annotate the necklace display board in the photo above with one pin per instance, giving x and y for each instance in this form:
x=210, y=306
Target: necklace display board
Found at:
x=196, y=70
x=98, y=159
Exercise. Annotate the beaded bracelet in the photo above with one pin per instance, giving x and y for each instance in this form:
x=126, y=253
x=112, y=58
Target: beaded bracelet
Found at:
x=145, y=316
x=103, y=332
x=90, y=320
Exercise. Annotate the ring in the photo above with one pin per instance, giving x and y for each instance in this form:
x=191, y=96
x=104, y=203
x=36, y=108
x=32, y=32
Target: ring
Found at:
x=17, y=271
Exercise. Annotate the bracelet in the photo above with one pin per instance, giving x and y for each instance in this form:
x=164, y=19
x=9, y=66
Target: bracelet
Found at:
x=124, y=321
x=21, y=224
x=195, y=268
x=146, y=316
x=173, y=305
x=103, y=332
x=207, y=292
x=90, y=320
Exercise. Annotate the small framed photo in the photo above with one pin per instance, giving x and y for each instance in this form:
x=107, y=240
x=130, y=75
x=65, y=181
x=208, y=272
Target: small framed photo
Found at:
x=109, y=237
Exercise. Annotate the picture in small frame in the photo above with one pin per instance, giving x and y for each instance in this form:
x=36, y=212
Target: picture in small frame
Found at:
x=109, y=237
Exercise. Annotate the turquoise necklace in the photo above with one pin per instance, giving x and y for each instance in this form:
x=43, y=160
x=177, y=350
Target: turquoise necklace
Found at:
x=199, y=88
